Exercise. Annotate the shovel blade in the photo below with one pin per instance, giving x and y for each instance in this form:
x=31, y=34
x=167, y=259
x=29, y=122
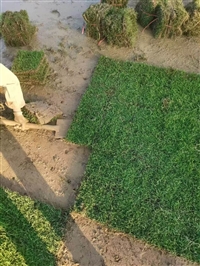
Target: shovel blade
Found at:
x=63, y=126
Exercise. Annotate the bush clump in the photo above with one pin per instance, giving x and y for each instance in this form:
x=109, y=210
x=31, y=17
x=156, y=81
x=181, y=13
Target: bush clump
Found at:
x=16, y=28
x=31, y=67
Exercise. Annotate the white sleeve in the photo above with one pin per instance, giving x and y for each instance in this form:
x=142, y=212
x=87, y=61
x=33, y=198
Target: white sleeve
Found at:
x=7, y=76
x=14, y=96
x=13, y=93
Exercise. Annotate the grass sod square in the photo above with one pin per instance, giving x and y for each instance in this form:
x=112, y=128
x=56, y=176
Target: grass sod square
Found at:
x=31, y=67
x=31, y=232
x=38, y=77
x=143, y=176
x=27, y=61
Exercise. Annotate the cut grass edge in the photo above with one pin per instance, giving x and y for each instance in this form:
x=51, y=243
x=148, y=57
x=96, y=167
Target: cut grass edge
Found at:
x=94, y=197
x=31, y=231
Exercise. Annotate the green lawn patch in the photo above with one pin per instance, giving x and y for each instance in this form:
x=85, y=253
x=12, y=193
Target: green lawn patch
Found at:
x=143, y=176
x=30, y=231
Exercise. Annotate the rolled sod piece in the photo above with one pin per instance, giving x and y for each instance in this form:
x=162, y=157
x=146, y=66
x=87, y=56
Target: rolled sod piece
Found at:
x=192, y=26
x=0, y=24
x=120, y=27
x=16, y=28
x=27, y=61
x=116, y=3
x=31, y=67
x=93, y=17
x=170, y=16
x=146, y=11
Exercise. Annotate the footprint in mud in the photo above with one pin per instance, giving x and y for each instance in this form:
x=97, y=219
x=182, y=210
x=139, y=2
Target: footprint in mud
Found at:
x=55, y=11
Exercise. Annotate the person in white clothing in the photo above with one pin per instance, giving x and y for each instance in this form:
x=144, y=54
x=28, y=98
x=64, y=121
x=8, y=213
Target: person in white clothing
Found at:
x=13, y=93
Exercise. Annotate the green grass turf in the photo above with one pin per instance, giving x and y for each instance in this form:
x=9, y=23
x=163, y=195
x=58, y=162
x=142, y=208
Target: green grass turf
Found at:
x=143, y=176
x=27, y=60
x=30, y=232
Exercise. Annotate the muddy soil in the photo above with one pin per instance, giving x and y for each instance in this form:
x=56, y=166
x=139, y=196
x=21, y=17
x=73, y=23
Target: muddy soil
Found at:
x=35, y=164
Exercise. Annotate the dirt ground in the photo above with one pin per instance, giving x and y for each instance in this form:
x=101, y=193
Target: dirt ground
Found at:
x=35, y=164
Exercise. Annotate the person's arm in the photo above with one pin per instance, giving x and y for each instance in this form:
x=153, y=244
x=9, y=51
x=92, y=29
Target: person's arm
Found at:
x=15, y=101
x=14, y=96
x=13, y=93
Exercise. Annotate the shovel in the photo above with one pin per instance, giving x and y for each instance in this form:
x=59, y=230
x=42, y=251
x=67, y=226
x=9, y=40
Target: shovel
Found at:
x=60, y=128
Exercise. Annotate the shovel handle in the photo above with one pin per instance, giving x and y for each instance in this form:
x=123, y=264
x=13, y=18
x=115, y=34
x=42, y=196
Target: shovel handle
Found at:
x=28, y=125
x=8, y=122
x=36, y=126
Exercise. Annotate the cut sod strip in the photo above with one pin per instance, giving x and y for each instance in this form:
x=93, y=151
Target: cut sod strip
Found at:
x=143, y=176
x=31, y=67
x=30, y=232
